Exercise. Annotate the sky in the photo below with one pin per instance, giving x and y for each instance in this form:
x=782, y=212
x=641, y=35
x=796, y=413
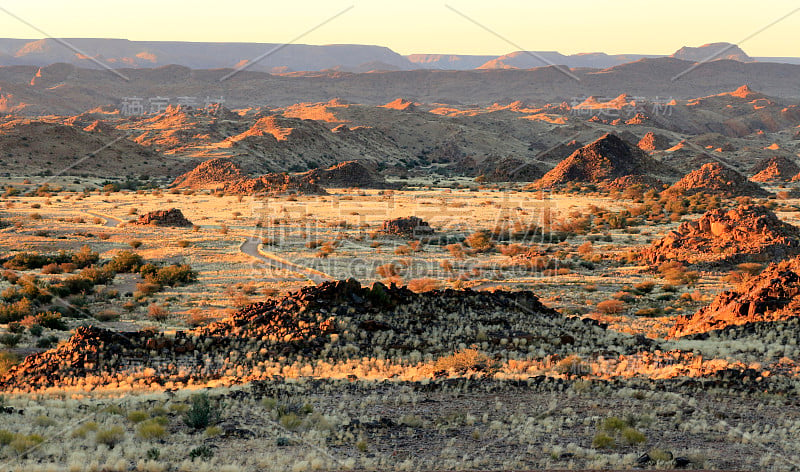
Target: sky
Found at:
x=420, y=26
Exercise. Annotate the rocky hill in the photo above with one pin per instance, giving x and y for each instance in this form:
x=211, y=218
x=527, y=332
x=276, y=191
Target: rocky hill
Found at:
x=751, y=233
x=222, y=174
x=346, y=175
x=212, y=174
x=83, y=89
x=653, y=142
x=714, y=178
x=606, y=159
x=770, y=296
x=334, y=321
x=775, y=169
x=509, y=170
x=30, y=147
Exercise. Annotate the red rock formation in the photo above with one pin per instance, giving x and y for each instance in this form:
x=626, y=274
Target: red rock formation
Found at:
x=775, y=169
x=715, y=179
x=750, y=233
x=653, y=142
x=605, y=159
x=769, y=296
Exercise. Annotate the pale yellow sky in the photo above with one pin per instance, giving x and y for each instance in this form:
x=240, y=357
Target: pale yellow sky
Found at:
x=419, y=26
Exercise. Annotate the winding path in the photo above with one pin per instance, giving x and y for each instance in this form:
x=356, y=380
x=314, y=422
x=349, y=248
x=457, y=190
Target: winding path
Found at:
x=250, y=247
x=111, y=221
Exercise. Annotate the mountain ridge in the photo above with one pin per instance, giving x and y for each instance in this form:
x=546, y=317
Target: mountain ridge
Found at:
x=122, y=53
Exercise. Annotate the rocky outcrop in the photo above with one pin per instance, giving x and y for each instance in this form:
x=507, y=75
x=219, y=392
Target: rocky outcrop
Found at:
x=715, y=179
x=346, y=175
x=773, y=295
x=224, y=175
x=275, y=184
x=510, y=170
x=604, y=160
x=653, y=142
x=212, y=174
x=336, y=321
x=410, y=226
x=751, y=233
x=171, y=217
x=775, y=169
x=639, y=182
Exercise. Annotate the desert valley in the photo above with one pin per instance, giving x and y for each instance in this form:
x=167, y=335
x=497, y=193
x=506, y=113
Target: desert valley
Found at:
x=386, y=262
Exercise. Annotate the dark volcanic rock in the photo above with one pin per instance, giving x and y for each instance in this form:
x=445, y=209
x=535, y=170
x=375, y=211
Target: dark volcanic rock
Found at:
x=411, y=226
x=171, y=217
x=510, y=170
x=334, y=321
x=345, y=175
x=751, y=233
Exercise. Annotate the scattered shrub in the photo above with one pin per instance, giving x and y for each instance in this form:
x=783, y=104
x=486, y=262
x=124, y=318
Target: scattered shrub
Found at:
x=201, y=413
x=110, y=436
x=610, y=307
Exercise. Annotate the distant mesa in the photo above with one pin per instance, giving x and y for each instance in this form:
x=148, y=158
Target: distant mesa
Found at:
x=775, y=169
x=171, y=217
x=410, y=226
x=752, y=233
x=768, y=297
x=604, y=160
x=716, y=179
x=712, y=52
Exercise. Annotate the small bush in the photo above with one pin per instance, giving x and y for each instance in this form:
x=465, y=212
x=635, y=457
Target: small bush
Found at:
x=137, y=416
x=201, y=413
x=603, y=441
x=467, y=359
x=611, y=307
x=7, y=361
x=632, y=436
x=126, y=262
x=480, y=241
x=110, y=436
x=22, y=444
x=150, y=430
x=10, y=340
x=202, y=452
x=82, y=430
x=157, y=313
